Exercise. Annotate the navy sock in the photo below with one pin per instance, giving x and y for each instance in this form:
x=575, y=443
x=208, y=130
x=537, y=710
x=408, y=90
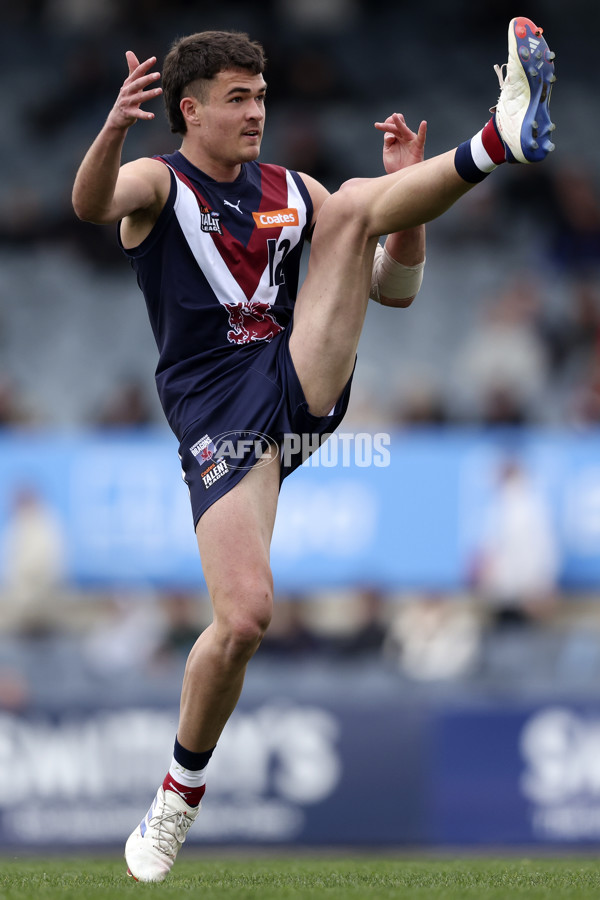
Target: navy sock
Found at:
x=190, y=760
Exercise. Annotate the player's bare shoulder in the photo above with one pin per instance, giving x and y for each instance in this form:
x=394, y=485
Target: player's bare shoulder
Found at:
x=146, y=183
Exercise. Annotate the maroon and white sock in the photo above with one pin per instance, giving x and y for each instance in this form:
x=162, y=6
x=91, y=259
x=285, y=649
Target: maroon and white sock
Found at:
x=191, y=794
x=475, y=159
x=187, y=773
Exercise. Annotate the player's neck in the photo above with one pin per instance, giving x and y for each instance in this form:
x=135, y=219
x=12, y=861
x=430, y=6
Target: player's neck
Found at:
x=217, y=169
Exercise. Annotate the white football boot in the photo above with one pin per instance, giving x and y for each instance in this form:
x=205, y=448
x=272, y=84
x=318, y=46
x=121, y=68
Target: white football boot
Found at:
x=152, y=848
x=522, y=113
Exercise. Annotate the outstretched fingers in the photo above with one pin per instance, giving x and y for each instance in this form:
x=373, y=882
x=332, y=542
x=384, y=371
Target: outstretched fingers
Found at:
x=136, y=90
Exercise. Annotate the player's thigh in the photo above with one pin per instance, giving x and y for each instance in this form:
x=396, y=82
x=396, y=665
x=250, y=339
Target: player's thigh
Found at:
x=234, y=537
x=331, y=306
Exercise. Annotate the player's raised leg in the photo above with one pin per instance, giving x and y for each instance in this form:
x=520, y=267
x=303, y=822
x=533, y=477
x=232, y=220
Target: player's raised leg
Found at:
x=332, y=303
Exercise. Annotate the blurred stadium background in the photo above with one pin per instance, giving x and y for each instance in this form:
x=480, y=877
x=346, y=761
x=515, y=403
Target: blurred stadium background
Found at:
x=431, y=676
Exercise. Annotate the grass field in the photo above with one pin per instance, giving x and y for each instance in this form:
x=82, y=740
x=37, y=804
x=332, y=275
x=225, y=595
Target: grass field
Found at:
x=330, y=878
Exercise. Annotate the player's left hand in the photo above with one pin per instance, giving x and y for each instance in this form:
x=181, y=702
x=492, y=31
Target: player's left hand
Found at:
x=401, y=146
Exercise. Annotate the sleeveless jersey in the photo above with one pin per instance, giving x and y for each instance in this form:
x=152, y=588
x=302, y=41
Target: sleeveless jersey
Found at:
x=219, y=273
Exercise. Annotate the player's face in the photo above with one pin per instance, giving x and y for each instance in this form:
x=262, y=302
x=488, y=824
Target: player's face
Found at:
x=233, y=117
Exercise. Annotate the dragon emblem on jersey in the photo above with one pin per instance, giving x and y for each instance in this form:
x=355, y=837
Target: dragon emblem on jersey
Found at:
x=251, y=322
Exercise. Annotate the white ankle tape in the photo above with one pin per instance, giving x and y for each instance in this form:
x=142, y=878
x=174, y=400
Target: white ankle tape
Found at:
x=393, y=279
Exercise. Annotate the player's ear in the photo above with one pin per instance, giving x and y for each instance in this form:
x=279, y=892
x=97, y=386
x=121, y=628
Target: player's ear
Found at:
x=190, y=109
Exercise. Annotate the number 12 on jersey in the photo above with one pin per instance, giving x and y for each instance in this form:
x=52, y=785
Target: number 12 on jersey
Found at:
x=277, y=255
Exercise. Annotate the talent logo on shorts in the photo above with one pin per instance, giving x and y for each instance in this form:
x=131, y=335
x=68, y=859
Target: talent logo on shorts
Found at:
x=210, y=220
x=275, y=218
x=215, y=471
x=204, y=450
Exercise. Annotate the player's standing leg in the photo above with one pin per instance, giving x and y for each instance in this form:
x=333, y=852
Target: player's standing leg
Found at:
x=234, y=536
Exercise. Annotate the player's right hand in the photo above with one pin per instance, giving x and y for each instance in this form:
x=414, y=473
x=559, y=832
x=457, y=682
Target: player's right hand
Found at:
x=135, y=91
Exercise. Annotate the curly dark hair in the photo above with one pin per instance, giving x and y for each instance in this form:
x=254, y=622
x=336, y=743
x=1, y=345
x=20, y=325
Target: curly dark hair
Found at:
x=199, y=57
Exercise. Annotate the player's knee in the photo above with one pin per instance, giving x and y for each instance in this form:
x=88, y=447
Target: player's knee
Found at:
x=244, y=632
x=346, y=211
x=248, y=616
x=244, y=636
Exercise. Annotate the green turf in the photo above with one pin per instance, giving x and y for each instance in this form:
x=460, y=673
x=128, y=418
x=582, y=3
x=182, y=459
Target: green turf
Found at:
x=331, y=878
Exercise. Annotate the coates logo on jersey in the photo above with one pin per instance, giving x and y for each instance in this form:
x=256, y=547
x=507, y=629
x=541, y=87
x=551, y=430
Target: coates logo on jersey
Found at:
x=275, y=218
x=250, y=321
x=210, y=221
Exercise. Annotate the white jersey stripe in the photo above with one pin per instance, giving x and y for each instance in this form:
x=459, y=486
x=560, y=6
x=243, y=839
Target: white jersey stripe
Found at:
x=203, y=248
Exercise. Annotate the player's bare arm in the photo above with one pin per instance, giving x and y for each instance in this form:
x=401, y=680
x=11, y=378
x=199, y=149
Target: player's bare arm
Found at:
x=403, y=147
x=104, y=191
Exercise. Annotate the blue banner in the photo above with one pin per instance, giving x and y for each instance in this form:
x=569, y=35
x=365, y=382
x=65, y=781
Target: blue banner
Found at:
x=399, y=510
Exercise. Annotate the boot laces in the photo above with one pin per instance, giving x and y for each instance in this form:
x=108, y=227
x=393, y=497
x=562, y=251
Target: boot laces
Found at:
x=171, y=830
x=501, y=73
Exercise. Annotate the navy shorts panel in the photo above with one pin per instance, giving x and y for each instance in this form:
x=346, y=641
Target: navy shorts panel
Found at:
x=270, y=402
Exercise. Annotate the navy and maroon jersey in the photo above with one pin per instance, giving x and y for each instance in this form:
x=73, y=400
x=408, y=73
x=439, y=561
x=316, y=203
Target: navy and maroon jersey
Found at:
x=219, y=272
